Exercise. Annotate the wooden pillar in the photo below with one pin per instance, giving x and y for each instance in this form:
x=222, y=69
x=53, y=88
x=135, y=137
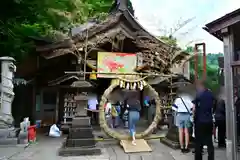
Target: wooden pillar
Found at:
x=57, y=106
x=204, y=76
x=196, y=62
x=230, y=109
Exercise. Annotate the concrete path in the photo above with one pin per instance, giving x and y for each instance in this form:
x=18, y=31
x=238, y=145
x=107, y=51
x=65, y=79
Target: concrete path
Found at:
x=10, y=151
x=46, y=149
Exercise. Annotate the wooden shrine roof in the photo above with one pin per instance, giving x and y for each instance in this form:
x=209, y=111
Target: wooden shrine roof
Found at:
x=217, y=25
x=121, y=25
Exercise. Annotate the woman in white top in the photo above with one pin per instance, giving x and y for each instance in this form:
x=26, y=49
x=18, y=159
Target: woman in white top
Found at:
x=183, y=106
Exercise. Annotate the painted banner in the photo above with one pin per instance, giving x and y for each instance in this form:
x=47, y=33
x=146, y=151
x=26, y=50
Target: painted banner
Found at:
x=115, y=63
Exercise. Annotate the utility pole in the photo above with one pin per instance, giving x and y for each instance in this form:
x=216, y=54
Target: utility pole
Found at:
x=231, y=142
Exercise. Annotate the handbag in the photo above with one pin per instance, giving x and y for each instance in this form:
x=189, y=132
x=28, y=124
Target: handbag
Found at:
x=185, y=106
x=191, y=119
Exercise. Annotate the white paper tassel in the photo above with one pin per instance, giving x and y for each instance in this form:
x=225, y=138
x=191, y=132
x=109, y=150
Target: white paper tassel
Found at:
x=134, y=85
x=121, y=84
x=141, y=86
x=127, y=87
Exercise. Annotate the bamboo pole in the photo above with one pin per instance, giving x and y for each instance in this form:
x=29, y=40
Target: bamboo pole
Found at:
x=115, y=73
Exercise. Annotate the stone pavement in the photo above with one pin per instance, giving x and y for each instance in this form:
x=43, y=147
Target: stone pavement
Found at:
x=10, y=151
x=46, y=149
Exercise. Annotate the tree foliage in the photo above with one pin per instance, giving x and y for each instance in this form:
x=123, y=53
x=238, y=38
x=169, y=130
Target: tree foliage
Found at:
x=20, y=19
x=212, y=68
x=170, y=40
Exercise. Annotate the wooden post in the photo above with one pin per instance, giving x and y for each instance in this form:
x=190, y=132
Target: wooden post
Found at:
x=57, y=105
x=204, y=62
x=196, y=62
x=123, y=5
x=204, y=74
x=230, y=109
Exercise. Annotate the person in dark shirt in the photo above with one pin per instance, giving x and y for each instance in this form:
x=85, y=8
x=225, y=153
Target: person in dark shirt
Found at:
x=203, y=120
x=237, y=105
x=220, y=117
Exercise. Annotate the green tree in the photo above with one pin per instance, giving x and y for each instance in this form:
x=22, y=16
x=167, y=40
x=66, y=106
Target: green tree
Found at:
x=212, y=68
x=20, y=19
x=170, y=40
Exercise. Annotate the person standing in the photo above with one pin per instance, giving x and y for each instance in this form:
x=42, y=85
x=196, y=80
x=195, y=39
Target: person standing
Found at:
x=183, y=107
x=92, y=106
x=134, y=108
x=108, y=114
x=237, y=106
x=203, y=120
x=220, y=118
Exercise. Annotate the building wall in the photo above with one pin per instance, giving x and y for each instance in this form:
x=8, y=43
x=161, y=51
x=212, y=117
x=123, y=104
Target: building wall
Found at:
x=45, y=107
x=185, y=70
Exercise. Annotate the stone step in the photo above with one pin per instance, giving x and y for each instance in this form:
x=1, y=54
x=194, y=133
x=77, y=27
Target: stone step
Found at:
x=81, y=142
x=8, y=141
x=78, y=151
x=8, y=133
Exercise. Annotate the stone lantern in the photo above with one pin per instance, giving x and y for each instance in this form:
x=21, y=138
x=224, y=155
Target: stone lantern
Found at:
x=7, y=131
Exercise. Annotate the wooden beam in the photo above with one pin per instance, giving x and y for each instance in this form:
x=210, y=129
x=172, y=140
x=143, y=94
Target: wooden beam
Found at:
x=230, y=109
x=224, y=24
x=123, y=5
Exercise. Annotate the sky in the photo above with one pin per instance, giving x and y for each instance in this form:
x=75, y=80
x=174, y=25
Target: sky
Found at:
x=161, y=17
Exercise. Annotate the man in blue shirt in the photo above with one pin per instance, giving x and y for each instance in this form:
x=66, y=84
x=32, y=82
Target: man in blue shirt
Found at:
x=203, y=120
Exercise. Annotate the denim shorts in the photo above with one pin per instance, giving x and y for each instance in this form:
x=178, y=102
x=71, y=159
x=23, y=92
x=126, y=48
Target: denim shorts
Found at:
x=183, y=120
x=133, y=118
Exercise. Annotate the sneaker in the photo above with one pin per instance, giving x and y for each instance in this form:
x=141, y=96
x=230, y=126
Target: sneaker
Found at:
x=182, y=150
x=193, y=151
x=186, y=150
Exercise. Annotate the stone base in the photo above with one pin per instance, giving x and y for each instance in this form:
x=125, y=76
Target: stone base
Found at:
x=65, y=128
x=78, y=151
x=172, y=138
x=81, y=142
x=9, y=133
x=81, y=121
x=8, y=141
x=170, y=143
x=80, y=132
x=8, y=136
